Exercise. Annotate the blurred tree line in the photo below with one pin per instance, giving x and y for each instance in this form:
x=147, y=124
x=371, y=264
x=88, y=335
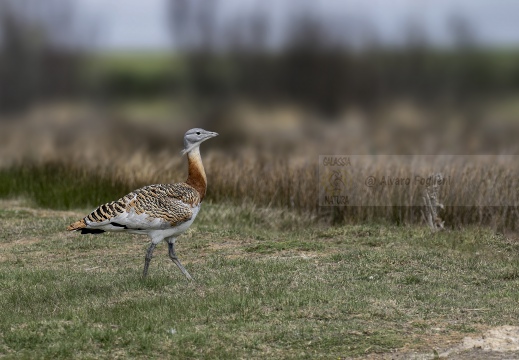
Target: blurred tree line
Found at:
x=40, y=52
x=316, y=63
x=319, y=64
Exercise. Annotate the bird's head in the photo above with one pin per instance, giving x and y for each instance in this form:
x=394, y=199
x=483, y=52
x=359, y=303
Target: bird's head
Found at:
x=194, y=137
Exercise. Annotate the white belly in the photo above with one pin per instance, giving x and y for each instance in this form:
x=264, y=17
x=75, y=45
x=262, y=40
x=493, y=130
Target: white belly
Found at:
x=159, y=235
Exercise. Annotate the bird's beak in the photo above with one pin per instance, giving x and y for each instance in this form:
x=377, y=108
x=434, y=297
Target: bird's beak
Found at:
x=212, y=134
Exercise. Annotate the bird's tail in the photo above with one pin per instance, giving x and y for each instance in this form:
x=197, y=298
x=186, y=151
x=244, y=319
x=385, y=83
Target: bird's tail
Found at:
x=78, y=225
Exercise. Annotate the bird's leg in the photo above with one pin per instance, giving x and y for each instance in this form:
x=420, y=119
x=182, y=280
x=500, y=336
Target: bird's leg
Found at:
x=147, y=260
x=173, y=256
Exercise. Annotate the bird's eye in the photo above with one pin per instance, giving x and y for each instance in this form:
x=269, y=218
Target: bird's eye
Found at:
x=198, y=132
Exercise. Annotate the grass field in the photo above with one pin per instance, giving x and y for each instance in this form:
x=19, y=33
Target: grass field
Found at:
x=267, y=285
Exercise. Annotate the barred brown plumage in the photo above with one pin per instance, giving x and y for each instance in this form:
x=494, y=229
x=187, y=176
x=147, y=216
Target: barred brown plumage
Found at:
x=157, y=201
x=161, y=211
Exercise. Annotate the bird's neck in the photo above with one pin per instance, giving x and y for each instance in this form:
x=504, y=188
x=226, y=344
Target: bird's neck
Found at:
x=196, y=174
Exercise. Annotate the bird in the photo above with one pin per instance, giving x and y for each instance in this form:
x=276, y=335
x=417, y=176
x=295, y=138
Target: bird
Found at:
x=161, y=211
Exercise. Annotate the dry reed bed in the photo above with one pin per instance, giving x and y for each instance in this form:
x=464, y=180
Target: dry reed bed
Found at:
x=281, y=174
x=477, y=190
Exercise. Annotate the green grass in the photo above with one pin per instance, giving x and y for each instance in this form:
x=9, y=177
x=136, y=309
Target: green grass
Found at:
x=262, y=289
x=158, y=62
x=60, y=186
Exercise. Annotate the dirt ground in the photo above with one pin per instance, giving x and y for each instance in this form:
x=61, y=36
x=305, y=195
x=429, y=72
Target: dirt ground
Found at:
x=500, y=343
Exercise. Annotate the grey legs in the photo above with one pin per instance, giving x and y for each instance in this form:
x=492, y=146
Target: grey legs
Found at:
x=147, y=260
x=173, y=257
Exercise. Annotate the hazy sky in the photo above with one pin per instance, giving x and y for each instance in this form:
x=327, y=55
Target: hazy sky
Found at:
x=137, y=24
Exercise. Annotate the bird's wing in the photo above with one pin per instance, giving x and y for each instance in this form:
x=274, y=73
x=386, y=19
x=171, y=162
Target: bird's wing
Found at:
x=151, y=207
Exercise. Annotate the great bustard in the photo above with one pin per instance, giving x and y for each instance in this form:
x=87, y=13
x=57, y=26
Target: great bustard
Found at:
x=162, y=211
